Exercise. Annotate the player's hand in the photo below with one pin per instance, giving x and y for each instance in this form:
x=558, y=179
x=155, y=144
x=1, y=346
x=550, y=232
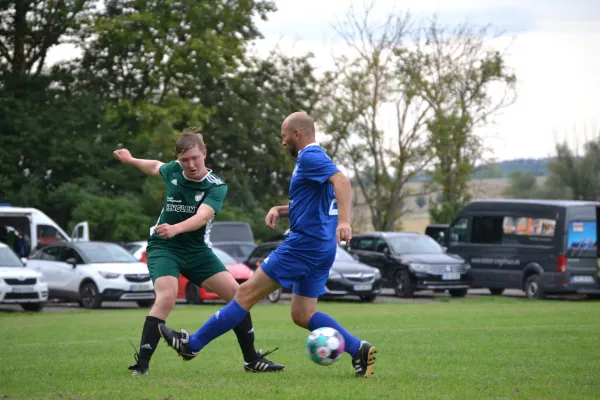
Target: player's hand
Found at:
x=167, y=231
x=343, y=232
x=272, y=217
x=123, y=155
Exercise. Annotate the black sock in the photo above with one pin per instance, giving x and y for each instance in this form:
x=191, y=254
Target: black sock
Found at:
x=245, y=335
x=149, y=341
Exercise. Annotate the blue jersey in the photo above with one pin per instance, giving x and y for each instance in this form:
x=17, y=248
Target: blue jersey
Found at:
x=313, y=208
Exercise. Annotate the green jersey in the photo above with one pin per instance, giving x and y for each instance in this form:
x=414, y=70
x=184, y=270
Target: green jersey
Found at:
x=182, y=201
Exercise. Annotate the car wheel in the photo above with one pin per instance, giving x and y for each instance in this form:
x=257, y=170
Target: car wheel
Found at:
x=145, y=303
x=33, y=306
x=274, y=296
x=496, y=291
x=368, y=299
x=192, y=294
x=403, y=286
x=90, y=297
x=458, y=292
x=533, y=288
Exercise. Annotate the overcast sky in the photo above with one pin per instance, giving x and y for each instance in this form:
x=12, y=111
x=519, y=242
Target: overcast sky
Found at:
x=555, y=54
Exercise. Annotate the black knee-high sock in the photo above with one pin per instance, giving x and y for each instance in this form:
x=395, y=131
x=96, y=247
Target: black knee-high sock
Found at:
x=245, y=335
x=149, y=341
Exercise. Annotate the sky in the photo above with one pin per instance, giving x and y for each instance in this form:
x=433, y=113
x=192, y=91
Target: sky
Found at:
x=553, y=46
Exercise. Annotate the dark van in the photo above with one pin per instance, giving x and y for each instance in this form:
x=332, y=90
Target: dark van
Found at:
x=539, y=246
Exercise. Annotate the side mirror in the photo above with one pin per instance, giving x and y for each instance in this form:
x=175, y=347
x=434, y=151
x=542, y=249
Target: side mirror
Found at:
x=24, y=260
x=72, y=261
x=387, y=252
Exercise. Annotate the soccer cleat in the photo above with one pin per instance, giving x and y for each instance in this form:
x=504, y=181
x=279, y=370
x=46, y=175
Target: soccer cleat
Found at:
x=364, y=360
x=178, y=341
x=136, y=369
x=261, y=364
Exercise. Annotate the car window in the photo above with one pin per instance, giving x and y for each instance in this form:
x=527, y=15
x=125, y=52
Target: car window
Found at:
x=343, y=255
x=50, y=253
x=381, y=245
x=238, y=251
x=8, y=258
x=458, y=231
x=101, y=253
x=366, y=243
x=224, y=257
x=47, y=234
x=71, y=253
x=415, y=244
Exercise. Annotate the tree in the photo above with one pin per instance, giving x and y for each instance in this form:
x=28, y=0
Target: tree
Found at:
x=29, y=29
x=453, y=71
x=363, y=86
x=522, y=185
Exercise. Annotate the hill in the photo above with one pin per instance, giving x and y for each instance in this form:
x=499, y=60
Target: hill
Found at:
x=503, y=169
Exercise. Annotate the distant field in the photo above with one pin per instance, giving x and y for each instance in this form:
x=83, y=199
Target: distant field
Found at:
x=480, y=348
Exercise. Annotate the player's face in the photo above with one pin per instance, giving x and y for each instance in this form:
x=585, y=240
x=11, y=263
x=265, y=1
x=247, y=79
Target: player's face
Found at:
x=192, y=162
x=289, y=141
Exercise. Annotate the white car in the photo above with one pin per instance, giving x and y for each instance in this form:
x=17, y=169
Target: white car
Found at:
x=19, y=285
x=93, y=272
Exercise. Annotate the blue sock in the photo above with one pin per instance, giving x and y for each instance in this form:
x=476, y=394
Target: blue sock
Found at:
x=320, y=320
x=221, y=322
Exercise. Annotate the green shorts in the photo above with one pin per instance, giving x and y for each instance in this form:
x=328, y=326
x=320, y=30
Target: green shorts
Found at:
x=196, y=265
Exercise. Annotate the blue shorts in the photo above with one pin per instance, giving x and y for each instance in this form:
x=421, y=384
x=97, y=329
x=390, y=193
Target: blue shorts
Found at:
x=302, y=263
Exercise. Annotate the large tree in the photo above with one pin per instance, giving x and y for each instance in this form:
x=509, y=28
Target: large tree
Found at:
x=465, y=81
x=366, y=85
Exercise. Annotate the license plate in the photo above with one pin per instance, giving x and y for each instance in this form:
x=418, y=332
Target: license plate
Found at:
x=139, y=288
x=362, y=288
x=582, y=279
x=451, y=276
x=23, y=289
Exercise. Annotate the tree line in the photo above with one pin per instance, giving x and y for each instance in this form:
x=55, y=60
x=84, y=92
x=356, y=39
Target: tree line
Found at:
x=148, y=69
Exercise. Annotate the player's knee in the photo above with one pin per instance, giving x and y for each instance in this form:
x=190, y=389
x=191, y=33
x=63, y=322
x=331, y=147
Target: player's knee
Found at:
x=302, y=317
x=245, y=296
x=166, y=298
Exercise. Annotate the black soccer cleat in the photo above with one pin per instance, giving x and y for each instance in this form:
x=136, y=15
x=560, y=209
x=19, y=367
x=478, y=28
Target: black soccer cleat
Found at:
x=364, y=360
x=261, y=364
x=136, y=369
x=178, y=341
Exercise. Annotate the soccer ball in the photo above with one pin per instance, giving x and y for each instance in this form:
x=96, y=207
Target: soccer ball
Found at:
x=325, y=346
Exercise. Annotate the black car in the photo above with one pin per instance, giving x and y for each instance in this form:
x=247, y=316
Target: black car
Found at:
x=411, y=262
x=347, y=276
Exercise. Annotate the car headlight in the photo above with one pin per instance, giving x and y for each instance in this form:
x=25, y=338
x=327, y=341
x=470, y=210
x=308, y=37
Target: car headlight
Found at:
x=251, y=272
x=40, y=278
x=418, y=267
x=108, y=275
x=377, y=274
x=334, y=274
x=467, y=266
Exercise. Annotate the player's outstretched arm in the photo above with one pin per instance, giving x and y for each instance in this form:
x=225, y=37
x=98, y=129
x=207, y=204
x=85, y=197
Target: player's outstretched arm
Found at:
x=275, y=213
x=343, y=196
x=149, y=167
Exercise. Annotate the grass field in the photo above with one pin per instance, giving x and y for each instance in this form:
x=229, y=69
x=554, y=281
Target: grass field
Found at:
x=481, y=348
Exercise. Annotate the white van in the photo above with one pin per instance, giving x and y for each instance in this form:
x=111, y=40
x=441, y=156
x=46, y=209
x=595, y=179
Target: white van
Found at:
x=27, y=229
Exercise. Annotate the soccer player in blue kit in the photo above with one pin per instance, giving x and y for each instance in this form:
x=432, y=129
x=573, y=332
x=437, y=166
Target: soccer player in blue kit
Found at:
x=319, y=213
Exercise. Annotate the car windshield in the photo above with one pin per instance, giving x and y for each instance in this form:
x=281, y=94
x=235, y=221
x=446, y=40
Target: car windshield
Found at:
x=239, y=251
x=132, y=247
x=414, y=244
x=8, y=258
x=224, y=257
x=102, y=253
x=343, y=255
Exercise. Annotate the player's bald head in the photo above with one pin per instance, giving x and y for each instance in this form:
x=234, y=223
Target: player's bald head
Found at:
x=299, y=121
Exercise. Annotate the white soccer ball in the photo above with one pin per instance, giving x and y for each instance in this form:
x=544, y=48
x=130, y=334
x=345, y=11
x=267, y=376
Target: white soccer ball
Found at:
x=325, y=346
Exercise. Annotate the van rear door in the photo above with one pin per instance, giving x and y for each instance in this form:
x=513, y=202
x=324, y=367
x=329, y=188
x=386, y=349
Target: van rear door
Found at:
x=582, y=250
x=15, y=231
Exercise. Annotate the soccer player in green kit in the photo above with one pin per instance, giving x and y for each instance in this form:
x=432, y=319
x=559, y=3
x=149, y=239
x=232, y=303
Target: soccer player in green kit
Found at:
x=179, y=244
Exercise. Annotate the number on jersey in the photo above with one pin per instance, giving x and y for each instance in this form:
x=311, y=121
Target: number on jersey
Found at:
x=333, y=210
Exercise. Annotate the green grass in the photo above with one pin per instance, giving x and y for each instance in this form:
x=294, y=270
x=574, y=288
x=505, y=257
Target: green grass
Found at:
x=479, y=348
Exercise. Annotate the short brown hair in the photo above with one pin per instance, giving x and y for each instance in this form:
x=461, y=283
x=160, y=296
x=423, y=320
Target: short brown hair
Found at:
x=189, y=138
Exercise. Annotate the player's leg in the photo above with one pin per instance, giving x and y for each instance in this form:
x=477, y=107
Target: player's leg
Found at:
x=164, y=273
x=226, y=287
x=224, y=320
x=304, y=314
